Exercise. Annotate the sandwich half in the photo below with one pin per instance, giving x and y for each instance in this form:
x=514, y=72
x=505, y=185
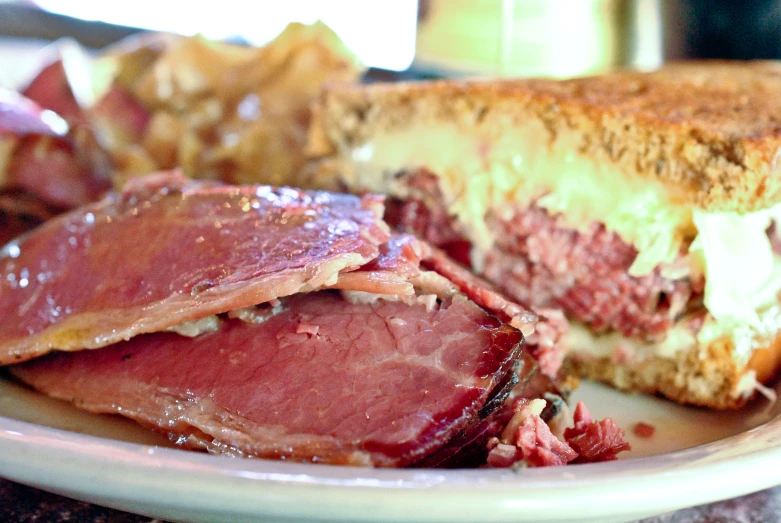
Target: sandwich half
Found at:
x=643, y=205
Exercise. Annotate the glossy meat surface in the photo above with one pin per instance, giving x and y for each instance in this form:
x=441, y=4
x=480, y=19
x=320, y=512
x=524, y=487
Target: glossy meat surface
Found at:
x=381, y=384
x=167, y=251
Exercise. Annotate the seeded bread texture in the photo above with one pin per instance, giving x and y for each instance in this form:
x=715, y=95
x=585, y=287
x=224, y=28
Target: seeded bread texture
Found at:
x=710, y=132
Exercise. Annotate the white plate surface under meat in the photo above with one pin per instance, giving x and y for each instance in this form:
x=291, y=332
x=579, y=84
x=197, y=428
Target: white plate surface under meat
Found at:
x=695, y=456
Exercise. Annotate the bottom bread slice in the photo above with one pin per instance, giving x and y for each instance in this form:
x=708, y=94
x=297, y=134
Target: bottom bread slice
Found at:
x=706, y=375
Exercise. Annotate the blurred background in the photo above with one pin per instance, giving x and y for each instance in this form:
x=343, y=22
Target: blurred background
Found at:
x=424, y=38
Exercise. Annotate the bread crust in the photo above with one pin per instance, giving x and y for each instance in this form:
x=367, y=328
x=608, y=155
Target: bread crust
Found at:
x=707, y=376
x=709, y=132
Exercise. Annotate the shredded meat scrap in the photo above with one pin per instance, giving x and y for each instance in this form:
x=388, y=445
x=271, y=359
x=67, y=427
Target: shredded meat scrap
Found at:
x=527, y=439
x=595, y=440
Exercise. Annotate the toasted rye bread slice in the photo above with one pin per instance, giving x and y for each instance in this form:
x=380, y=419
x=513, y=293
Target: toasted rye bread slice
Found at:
x=709, y=132
x=707, y=376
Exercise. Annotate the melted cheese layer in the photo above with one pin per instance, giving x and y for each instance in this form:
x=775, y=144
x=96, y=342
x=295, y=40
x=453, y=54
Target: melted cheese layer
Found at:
x=614, y=345
x=631, y=353
x=509, y=171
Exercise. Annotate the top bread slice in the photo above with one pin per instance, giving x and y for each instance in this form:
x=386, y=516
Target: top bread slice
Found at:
x=708, y=132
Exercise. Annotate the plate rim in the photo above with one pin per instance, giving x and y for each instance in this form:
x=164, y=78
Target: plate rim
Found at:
x=148, y=476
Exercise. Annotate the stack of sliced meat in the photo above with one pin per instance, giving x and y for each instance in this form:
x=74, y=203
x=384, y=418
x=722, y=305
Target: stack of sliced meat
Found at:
x=279, y=323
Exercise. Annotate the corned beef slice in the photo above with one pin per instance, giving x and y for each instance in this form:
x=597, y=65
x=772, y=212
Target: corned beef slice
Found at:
x=383, y=384
x=167, y=251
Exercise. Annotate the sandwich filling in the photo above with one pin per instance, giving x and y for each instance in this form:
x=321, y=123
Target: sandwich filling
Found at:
x=718, y=266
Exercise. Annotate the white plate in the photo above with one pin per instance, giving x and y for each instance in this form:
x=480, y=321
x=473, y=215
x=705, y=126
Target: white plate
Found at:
x=119, y=465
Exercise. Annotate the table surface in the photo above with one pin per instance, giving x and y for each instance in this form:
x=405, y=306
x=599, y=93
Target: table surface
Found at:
x=22, y=503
